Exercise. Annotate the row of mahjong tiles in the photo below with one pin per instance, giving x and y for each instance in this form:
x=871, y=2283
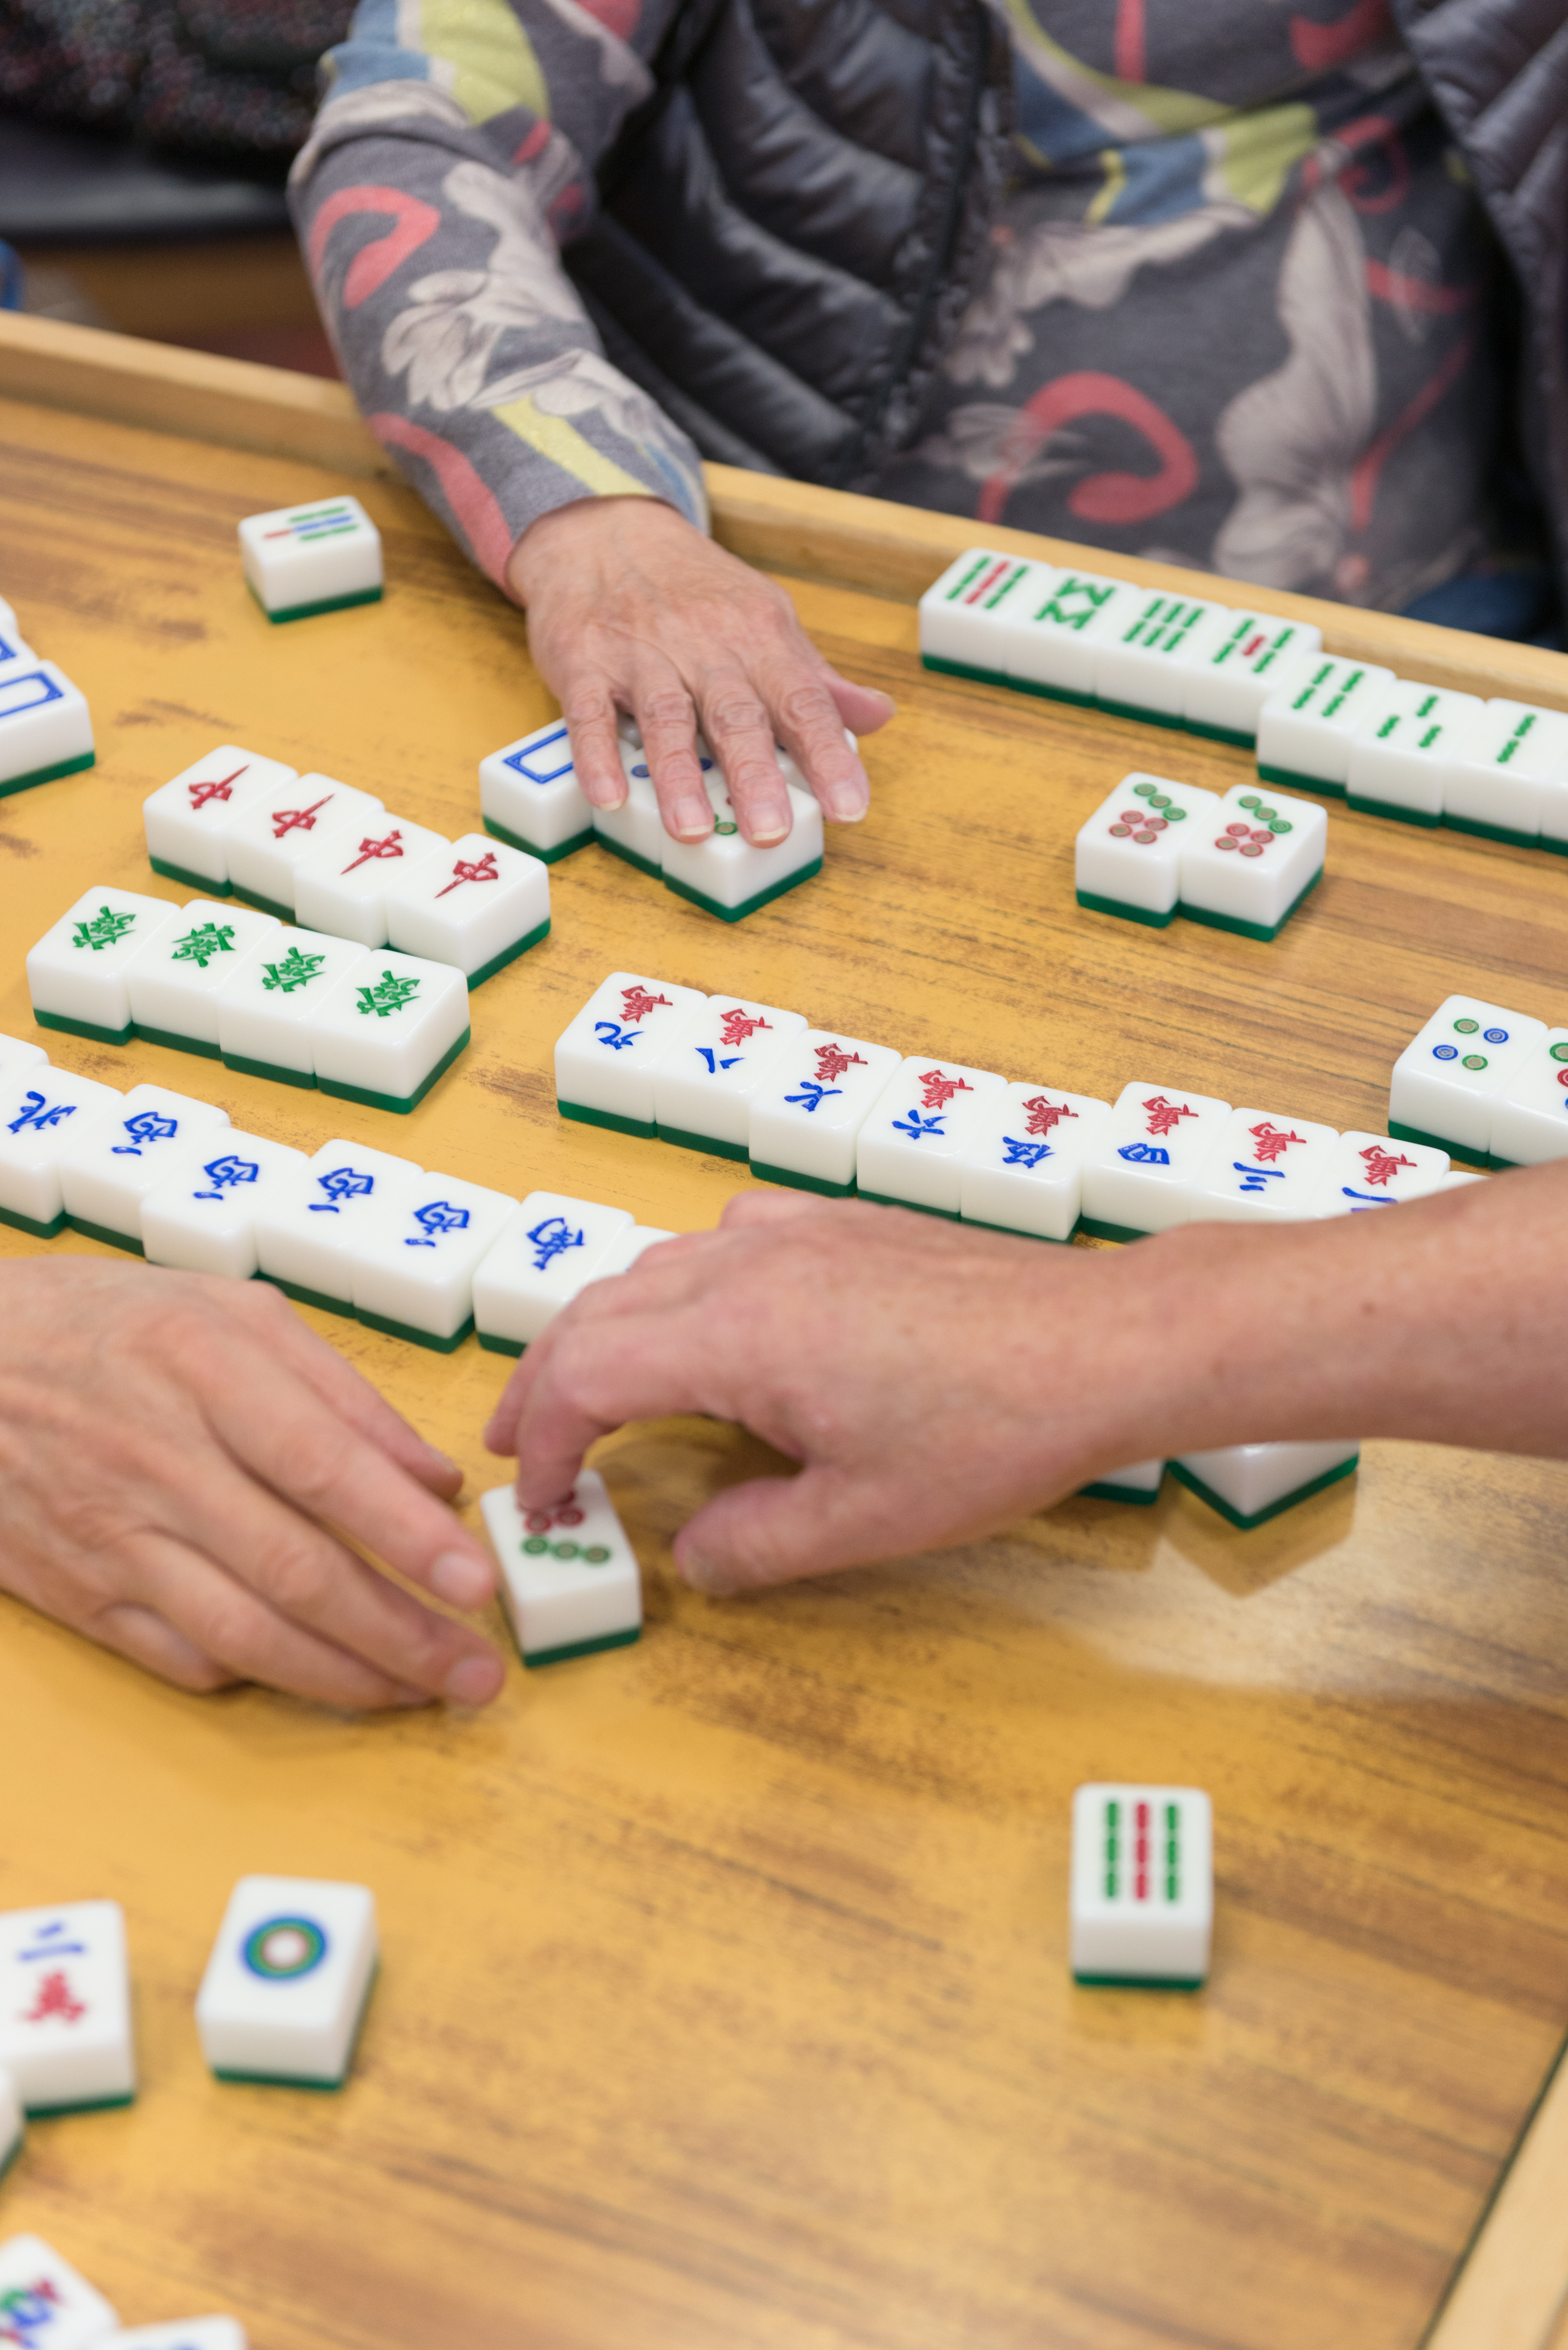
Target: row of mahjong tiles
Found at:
x=834, y=1114
x=1392, y=746
x=46, y=728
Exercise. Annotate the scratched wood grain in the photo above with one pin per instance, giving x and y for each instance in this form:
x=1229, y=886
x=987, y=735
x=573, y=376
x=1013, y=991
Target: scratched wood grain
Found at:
x=725, y=1998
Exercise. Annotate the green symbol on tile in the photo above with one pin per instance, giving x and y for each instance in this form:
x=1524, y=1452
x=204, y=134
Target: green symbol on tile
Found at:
x=722, y=829
x=200, y=945
x=1473, y=1060
x=1560, y=1052
x=106, y=928
x=294, y=971
x=1466, y=1027
x=596, y=1554
x=1160, y=800
x=566, y=1550
x=1173, y=814
x=1143, y=791
x=1249, y=800
x=1279, y=824
x=388, y=994
x=534, y=1545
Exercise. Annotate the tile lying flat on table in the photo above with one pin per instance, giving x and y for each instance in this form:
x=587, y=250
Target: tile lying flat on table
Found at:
x=305, y=559
x=40, y=1111
x=1127, y=857
x=1250, y=1484
x=18, y=1053
x=414, y=1259
x=183, y=2334
x=1141, y=655
x=1367, y=1172
x=187, y=819
x=1138, y=1484
x=1142, y=1169
x=1530, y=1113
x=1249, y=866
x=65, y=2007
x=304, y=1225
x=1234, y=663
x=704, y=1086
x=726, y=875
x=569, y=1578
x=967, y=616
x=76, y=972
x=1399, y=759
x=530, y=797
x=1021, y=1167
x=606, y=1055
x=1142, y=1904
x=340, y=885
x=45, y=727
x=267, y=1006
x=383, y=1033
x=174, y=984
x=549, y=1250
x=202, y=1219
x=268, y=838
x=1447, y=1078
x=911, y=1148
x=288, y=1981
x=477, y=906
x=1304, y=730
x=107, y=1170
x=1505, y=771
x=1264, y=1168
x=46, y=2304
x=807, y=1115
x=633, y=831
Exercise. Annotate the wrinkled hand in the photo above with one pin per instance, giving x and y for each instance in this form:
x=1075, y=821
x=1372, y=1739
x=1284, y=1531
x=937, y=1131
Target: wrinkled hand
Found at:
x=175, y=1454
x=631, y=608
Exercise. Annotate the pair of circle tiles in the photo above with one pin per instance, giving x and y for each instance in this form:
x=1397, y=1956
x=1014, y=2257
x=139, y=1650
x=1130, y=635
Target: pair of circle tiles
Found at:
x=1156, y=848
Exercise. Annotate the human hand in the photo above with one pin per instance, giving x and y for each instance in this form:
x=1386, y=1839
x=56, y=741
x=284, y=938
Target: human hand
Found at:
x=631, y=608
x=176, y=1454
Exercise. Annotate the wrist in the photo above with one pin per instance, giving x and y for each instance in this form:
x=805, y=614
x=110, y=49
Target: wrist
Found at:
x=602, y=528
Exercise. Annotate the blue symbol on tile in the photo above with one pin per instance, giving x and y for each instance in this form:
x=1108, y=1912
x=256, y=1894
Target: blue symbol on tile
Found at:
x=811, y=1095
x=706, y=1053
x=1144, y=1154
x=225, y=1173
x=915, y=1126
x=553, y=1238
x=11, y=706
x=1257, y=1178
x=1366, y=1200
x=1495, y=1037
x=535, y=763
x=437, y=1217
x=343, y=1183
x=145, y=1126
x=51, y=1945
x=1445, y=1052
x=35, y=1114
x=611, y=1032
x=1024, y=1154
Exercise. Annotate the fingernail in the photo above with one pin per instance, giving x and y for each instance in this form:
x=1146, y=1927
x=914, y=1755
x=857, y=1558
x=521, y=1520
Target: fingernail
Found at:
x=694, y=817
x=461, y=1580
x=443, y=1460
x=768, y=825
x=473, y=1680
x=605, y=792
x=848, y=803
x=703, y=1576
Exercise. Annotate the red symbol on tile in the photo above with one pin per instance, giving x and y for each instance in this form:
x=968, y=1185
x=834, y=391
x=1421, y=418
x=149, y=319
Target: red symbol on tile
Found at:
x=1043, y=1115
x=391, y=847
x=202, y=793
x=484, y=872
x=1165, y=1116
x=54, y=1999
x=296, y=819
x=939, y=1090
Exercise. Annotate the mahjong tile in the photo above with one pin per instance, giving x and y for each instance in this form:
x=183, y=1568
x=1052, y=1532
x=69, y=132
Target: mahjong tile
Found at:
x=1447, y=1078
x=1142, y=1169
x=1127, y=857
x=40, y=1111
x=76, y=973
x=65, y=2007
x=14, y=650
x=1234, y=663
x=1141, y=654
x=704, y=1086
x=1305, y=729
x=569, y=1578
x=477, y=905
x=530, y=797
x=187, y=819
x=910, y=1149
x=624, y=1252
x=1022, y=1159
x=341, y=885
x=1548, y=741
x=202, y=1218
x=606, y=1055
x=305, y=559
x=1250, y=1484
x=552, y=1247
x=1140, y=1484
x=288, y=1981
x=967, y=617
x=267, y=1006
x=107, y=1171
x=726, y=875
x=807, y=1115
x=384, y=1033
x=173, y=985
x=302, y=1225
x=1263, y=1169
x=1506, y=772
x=268, y=839
x=633, y=831
x=12, y=2123
x=414, y=1259
x=1142, y=1904
x=45, y=2304
x=1530, y=1115
x=1367, y=1172
x=46, y=728
x=1399, y=758
x=1054, y=646
x=18, y=1053
x=183, y=2333
x=1249, y=866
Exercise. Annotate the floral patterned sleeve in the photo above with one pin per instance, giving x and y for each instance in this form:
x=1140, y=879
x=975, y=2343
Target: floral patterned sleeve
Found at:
x=453, y=151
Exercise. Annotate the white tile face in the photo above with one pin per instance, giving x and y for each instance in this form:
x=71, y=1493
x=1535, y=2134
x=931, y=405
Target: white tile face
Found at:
x=1235, y=662
x=911, y=1144
x=15, y=1053
x=569, y=1579
x=706, y=1086
x=1129, y=852
x=1142, y=1904
x=1546, y=746
x=623, y=1253
x=107, y=1170
x=1367, y=1172
x=183, y=2334
x=415, y=1260
x=40, y=1111
x=1023, y=1164
x=380, y=1032
x=64, y=2005
x=1142, y=1170
x=1257, y=1477
x=1496, y=772
x=303, y=1226
x=341, y=885
x=1530, y=1115
x=76, y=971
x=1304, y=730
x=304, y=555
x=551, y=1248
x=45, y=2304
x=202, y=1219
x=1254, y=861
x=187, y=819
x=529, y=790
x=43, y=721
x=605, y=1057
x=174, y=984
x=287, y=1980
x=970, y=615
x=1398, y=759
x=807, y=1115
x=471, y=905
x=1143, y=1476
x=1264, y=1169
x=267, y=1006
x=1447, y=1076
x=278, y=830
x=1058, y=641
x=635, y=829
x=1141, y=655
x=724, y=871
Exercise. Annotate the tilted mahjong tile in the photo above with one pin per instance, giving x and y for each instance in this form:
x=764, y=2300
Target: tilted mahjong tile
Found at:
x=1530, y=1116
x=965, y=615
x=1507, y=772
x=268, y=839
x=1140, y=656
x=569, y=1578
x=17, y=1053
x=12, y=2123
x=76, y=973
x=1142, y=1169
x=267, y=1006
x=807, y=1115
x=183, y=2334
x=703, y=1089
x=1367, y=1172
x=187, y=819
x=40, y=1110
x=384, y=1034
x=1264, y=1169
x=203, y=1217
x=1399, y=758
x=726, y=875
x=1138, y=1484
x=1250, y=1484
x=909, y=1152
x=606, y=1057
x=543, y=1254
x=288, y=1981
x=1447, y=1078
x=1304, y=730
x=45, y=2304
x=1127, y=857
x=1142, y=1904
x=316, y=558
x=46, y=728
x=1234, y=663
x=530, y=797
x=477, y=905
x=1022, y=1159
x=173, y=985
x=302, y=1225
x=65, y=2007
x=414, y=1259
x=633, y=831
x=341, y=885
x=1249, y=867
x=624, y=1252
x=107, y=1171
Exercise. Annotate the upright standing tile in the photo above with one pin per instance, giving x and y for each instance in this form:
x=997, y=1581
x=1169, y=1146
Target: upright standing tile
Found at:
x=1367, y=1172
x=76, y=973
x=18, y=1053
x=341, y=884
x=530, y=797
x=1022, y=1162
x=1447, y=1078
x=1234, y=663
x=569, y=1578
x=267, y=1006
x=1053, y=647
x=45, y=2304
x=1399, y=759
x=624, y=1252
x=1142, y=1169
x=414, y=1259
x=633, y=831
x=202, y=1218
x=1127, y=857
x=305, y=559
x=183, y=2334
x=477, y=905
x=46, y=728
x=304, y=1226
x=703, y=1090
x=174, y=984
x=1264, y=1169
x=65, y=2007
x=1530, y=1114
x=726, y=875
x=290, y=1977
x=965, y=615
x=1547, y=743
x=806, y=1116
x=383, y=1035
x=606, y=1055
x=1141, y=655
x=1140, y=1484
x=1250, y=1484
x=40, y=1110
x=1503, y=770
x=107, y=1171
x=1142, y=1906
x=268, y=839
x=1305, y=728
x=911, y=1144
x=12, y=2123
x=545, y=1252
x=187, y=819
x=1250, y=865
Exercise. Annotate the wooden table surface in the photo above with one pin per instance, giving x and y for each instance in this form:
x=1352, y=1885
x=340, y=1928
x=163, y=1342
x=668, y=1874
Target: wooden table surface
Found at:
x=725, y=1999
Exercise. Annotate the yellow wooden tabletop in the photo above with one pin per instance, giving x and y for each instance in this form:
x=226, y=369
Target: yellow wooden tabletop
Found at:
x=725, y=1998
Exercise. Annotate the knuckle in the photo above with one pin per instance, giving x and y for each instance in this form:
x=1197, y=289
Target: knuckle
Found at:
x=809, y=709
x=669, y=708
x=736, y=710
x=293, y=1574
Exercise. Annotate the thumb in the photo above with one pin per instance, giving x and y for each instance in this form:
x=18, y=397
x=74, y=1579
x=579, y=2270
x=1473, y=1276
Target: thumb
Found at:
x=779, y=1530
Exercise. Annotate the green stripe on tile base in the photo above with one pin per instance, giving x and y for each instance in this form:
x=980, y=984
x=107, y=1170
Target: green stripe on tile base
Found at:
x=80, y=2105
x=1261, y=1517
x=579, y=1649
x=126, y=1240
x=182, y=874
x=1049, y=693
x=508, y=955
x=1105, y=1488
x=392, y=1329
x=1244, y=738
x=1365, y=806
x=531, y=848
x=1140, y=1982
x=796, y=1182
x=1094, y=904
x=707, y=1143
x=45, y=774
x=197, y=1045
x=886, y=1200
x=327, y=604
x=1469, y=1151
x=1290, y=781
x=1099, y=1232
x=304, y=1079
x=1502, y=1165
x=1553, y=847
x=276, y=906
x=69, y=1027
x=1167, y=718
x=397, y=1104
x=1015, y=1232
x=495, y=1346
x=748, y=905
x=644, y=1128
x=1262, y=931
x=303, y=1297
x=962, y=669
x=30, y=1224
x=630, y=856
x=1491, y=831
